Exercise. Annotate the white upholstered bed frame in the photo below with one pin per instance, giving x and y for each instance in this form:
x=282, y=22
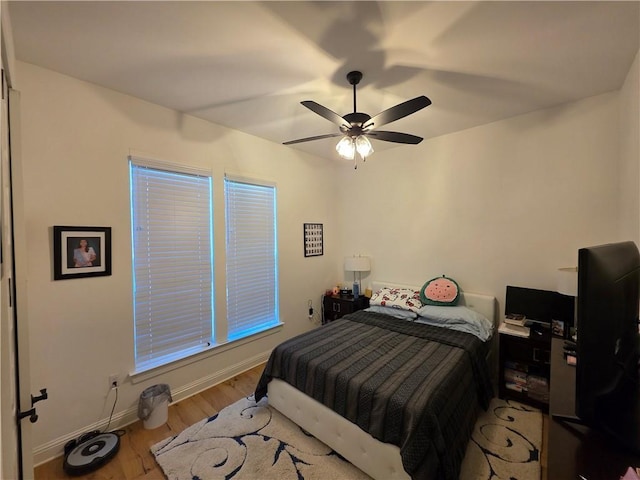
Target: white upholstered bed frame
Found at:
x=377, y=459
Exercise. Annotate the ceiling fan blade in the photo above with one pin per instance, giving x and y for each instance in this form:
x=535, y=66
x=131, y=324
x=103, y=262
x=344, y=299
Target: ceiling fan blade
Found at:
x=317, y=137
x=326, y=113
x=395, y=137
x=395, y=113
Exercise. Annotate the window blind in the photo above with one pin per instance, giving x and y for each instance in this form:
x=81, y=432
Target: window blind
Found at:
x=172, y=263
x=252, y=260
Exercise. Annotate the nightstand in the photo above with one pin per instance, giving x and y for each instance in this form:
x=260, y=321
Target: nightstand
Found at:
x=525, y=368
x=336, y=307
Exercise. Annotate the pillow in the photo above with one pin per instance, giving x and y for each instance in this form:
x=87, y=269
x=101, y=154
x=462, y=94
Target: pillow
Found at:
x=440, y=291
x=402, y=298
x=394, y=312
x=457, y=318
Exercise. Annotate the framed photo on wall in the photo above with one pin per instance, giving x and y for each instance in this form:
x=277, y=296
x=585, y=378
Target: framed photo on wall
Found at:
x=313, y=241
x=80, y=252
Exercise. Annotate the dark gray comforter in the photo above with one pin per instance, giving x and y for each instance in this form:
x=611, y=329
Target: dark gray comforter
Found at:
x=413, y=385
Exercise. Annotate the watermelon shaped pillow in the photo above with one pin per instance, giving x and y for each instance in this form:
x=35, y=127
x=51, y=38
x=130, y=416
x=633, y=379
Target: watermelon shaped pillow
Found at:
x=442, y=291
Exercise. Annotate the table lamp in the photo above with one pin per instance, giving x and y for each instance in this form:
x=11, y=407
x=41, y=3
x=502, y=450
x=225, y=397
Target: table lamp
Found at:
x=357, y=264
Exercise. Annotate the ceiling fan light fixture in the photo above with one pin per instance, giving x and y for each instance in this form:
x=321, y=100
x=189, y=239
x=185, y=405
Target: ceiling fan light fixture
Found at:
x=355, y=126
x=364, y=147
x=346, y=148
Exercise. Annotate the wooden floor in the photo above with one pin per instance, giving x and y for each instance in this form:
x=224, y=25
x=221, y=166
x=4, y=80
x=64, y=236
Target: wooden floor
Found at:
x=134, y=460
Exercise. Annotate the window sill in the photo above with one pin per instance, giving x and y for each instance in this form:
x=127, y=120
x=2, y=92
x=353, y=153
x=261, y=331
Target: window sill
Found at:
x=138, y=376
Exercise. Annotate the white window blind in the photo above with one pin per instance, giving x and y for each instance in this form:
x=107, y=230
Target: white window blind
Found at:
x=172, y=263
x=252, y=258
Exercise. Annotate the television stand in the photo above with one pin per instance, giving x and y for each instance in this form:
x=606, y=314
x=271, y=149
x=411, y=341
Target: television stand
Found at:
x=574, y=448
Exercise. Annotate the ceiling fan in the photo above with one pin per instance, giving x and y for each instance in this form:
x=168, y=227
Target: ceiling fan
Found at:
x=356, y=127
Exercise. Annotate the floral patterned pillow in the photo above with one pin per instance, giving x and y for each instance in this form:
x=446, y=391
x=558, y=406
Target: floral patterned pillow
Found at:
x=401, y=298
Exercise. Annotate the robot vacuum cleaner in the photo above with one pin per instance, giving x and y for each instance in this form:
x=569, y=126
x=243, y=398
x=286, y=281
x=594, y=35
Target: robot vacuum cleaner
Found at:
x=89, y=452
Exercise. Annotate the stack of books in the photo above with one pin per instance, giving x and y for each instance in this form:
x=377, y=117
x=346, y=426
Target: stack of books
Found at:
x=538, y=388
x=515, y=324
x=515, y=376
x=520, y=377
x=517, y=319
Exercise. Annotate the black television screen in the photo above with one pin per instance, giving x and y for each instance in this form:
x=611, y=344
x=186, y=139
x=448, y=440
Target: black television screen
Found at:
x=607, y=340
x=534, y=304
x=541, y=306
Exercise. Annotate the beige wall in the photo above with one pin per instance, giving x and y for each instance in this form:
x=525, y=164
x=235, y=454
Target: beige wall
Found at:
x=505, y=203
x=630, y=154
x=502, y=204
x=76, y=140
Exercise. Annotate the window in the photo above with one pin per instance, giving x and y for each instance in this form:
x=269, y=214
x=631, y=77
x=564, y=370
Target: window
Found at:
x=172, y=262
x=252, y=257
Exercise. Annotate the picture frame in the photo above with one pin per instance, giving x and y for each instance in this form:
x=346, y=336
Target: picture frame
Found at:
x=557, y=328
x=313, y=239
x=80, y=252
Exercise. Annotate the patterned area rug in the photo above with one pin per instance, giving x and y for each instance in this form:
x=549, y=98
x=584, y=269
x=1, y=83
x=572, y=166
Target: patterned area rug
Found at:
x=249, y=441
x=505, y=443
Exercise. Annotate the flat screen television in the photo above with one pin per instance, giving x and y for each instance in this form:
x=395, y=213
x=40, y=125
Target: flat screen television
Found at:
x=607, y=344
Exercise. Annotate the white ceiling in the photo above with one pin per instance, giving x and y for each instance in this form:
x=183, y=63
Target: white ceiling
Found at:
x=247, y=65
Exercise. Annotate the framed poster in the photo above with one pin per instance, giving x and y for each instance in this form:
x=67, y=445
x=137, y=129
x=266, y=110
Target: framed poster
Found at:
x=80, y=252
x=313, y=243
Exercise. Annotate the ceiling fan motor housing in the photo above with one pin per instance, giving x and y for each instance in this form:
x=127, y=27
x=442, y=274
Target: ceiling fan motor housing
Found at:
x=356, y=120
x=354, y=77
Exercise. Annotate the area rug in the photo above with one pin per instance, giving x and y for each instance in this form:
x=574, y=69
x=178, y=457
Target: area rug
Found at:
x=505, y=443
x=253, y=441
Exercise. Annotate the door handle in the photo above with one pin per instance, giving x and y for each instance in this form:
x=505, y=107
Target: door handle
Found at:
x=33, y=416
x=31, y=413
x=43, y=396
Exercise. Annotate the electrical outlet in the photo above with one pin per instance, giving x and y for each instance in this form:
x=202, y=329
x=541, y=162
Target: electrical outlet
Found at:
x=313, y=313
x=114, y=380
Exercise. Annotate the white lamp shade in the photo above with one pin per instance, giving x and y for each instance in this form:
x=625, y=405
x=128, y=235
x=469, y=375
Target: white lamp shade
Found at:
x=346, y=148
x=357, y=264
x=363, y=145
x=568, y=281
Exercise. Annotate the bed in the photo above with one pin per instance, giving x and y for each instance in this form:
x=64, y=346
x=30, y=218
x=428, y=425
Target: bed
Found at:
x=353, y=385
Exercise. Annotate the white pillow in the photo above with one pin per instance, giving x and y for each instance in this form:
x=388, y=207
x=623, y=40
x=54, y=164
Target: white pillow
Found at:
x=402, y=298
x=457, y=318
x=394, y=312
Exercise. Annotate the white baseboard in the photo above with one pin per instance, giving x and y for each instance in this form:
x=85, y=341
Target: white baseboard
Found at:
x=55, y=448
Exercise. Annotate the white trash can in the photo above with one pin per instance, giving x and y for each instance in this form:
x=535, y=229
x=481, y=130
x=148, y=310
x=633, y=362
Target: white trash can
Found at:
x=153, y=407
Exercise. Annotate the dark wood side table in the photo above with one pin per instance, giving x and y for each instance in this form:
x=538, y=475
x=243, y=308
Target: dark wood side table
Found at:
x=336, y=307
x=575, y=450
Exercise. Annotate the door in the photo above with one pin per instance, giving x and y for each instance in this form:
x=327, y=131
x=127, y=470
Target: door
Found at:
x=9, y=462
x=16, y=453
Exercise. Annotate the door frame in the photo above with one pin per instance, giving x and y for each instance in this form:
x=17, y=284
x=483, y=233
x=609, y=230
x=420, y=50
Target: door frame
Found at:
x=16, y=452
